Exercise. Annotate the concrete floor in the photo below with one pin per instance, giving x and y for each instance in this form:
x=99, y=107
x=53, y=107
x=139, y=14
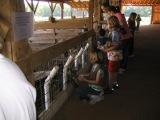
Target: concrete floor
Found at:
x=139, y=95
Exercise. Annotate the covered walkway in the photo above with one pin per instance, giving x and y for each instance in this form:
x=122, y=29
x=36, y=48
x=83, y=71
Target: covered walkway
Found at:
x=139, y=95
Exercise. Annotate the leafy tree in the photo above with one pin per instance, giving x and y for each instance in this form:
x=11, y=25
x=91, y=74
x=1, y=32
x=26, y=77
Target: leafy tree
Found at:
x=67, y=10
x=144, y=11
x=43, y=11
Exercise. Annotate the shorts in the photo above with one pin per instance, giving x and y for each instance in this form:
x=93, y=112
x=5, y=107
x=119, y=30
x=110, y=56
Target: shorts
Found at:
x=113, y=66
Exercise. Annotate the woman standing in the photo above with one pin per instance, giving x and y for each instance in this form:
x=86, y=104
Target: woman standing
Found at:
x=132, y=28
x=138, y=20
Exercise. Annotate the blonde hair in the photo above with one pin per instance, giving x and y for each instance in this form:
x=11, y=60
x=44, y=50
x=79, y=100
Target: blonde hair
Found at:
x=113, y=22
x=92, y=56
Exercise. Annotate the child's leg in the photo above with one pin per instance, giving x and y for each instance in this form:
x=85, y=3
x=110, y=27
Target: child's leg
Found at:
x=106, y=76
x=131, y=45
x=110, y=80
x=125, y=48
x=113, y=72
x=84, y=91
x=113, y=76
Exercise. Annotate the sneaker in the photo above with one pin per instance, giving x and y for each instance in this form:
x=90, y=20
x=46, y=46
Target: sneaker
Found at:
x=121, y=71
x=95, y=98
x=115, y=85
x=109, y=91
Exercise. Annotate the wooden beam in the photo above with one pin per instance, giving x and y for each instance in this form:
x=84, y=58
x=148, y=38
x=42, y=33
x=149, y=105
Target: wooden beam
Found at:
x=153, y=8
x=31, y=5
x=91, y=10
x=52, y=8
x=36, y=7
x=71, y=23
x=62, y=10
x=45, y=55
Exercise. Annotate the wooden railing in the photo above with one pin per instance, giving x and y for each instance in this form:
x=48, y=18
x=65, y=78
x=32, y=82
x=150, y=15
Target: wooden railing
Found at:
x=70, y=23
x=44, y=55
x=40, y=60
x=53, y=51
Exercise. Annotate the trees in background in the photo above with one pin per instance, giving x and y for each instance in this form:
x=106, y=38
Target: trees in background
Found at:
x=144, y=11
x=43, y=11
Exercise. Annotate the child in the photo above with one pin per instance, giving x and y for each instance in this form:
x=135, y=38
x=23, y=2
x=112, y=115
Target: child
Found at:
x=94, y=80
x=113, y=50
x=132, y=27
x=125, y=36
x=138, y=20
x=101, y=41
x=101, y=38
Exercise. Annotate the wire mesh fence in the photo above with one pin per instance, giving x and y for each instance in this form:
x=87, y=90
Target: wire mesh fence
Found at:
x=48, y=90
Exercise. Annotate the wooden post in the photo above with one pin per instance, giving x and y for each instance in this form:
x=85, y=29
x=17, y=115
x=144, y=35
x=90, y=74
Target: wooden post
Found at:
x=52, y=8
x=32, y=7
x=97, y=13
x=5, y=14
x=62, y=8
x=120, y=6
x=15, y=50
x=71, y=12
x=91, y=9
x=153, y=8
